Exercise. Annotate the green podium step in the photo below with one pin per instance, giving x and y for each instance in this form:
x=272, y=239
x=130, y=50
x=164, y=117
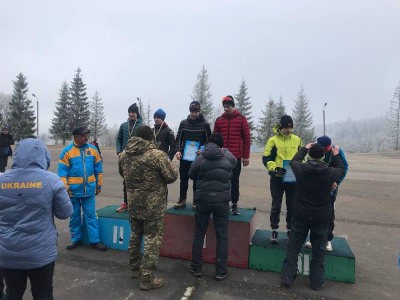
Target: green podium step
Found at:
x=264, y=256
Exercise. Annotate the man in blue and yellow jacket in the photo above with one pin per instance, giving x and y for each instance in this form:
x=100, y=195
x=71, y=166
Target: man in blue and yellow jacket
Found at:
x=80, y=168
x=278, y=152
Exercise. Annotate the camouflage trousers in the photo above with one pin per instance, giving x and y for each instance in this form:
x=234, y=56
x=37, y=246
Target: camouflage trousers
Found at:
x=152, y=230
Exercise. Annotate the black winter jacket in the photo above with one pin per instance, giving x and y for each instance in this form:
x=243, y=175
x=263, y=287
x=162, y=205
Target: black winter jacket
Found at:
x=6, y=140
x=192, y=130
x=213, y=172
x=166, y=138
x=314, y=180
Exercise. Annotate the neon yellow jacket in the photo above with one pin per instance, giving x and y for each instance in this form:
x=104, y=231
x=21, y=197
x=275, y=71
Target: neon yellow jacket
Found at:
x=280, y=147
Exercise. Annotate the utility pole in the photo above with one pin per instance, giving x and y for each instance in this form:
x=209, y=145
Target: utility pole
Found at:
x=37, y=116
x=323, y=113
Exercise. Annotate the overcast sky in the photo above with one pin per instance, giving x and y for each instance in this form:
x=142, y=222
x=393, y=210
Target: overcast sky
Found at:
x=345, y=53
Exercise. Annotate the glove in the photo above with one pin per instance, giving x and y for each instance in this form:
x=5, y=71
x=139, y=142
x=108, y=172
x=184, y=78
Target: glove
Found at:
x=280, y=171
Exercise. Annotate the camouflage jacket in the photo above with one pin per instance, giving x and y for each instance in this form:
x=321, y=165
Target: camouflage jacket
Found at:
x=146, y=171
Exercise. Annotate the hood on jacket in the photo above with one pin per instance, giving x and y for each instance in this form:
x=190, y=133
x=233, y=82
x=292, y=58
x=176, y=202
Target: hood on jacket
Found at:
x=199, y=119
x=137, y=145
x=314, y=167
x=232, y=115
x=31, y=153
x=212, y=152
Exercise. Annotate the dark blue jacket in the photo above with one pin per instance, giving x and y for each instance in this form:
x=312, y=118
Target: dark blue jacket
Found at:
x=213, y=170
x=30, y=197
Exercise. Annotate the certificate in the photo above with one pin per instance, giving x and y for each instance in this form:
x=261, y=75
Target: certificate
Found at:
x=189, y=152
x=289, y=175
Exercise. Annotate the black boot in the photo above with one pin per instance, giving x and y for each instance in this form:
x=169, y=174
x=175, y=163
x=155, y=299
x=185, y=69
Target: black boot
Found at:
x=98, y=247
x=73, y=245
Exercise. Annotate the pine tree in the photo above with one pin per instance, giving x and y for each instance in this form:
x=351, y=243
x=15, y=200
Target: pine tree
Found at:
x=393, y=119
x=280, y=110
x=97, y=124
x=61, y=123
x=266, y=124
x=201, y=92
x=22, y=118
x=302, y=118
x=244, y=106
x=80, y=114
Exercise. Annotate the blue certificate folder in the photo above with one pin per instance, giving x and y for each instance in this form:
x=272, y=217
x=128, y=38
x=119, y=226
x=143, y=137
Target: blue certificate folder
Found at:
x=189, y=152
x=289, y=175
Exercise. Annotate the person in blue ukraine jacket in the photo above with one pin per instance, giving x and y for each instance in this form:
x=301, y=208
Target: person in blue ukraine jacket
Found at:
x=326, y=142
x=80, y=168
x=30, y=197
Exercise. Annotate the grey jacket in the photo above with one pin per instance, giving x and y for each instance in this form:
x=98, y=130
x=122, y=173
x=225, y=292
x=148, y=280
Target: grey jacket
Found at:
x=30, y=197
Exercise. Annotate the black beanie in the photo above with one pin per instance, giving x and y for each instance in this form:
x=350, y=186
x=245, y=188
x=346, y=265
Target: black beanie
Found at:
x=217, y=138
x=228, y=100
x=286, y=122
x=316, y=151
x=145, y=132
x=133, y=108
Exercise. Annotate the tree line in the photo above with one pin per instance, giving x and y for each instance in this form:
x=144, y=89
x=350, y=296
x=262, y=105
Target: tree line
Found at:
x=74, y=109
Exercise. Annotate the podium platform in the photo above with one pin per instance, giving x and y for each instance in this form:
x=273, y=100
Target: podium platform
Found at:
x=114, y=228
x=264, y=256
x=179, y=231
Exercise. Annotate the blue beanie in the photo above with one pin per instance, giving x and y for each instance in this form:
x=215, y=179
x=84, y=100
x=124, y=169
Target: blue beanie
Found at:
x=324, y=141
x=160, y=114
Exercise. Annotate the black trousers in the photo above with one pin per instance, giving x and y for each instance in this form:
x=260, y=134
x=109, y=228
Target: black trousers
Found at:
x=235, y=182
x=220, y=213
x=3, y=162
x=278, y=187
x=184, y=168
x=41, y=280
x=1, y=283
x=298, y=235
x=331, y=224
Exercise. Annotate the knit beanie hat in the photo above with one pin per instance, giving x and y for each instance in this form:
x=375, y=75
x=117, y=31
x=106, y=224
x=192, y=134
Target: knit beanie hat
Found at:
x=145, y=132
x=228, y=100
x=325, y=142
x=217, y=138
x=194, y=106
x=160, y=114
x=316, y=151
x=133, y=108
x=286, y=122
x=4, y=128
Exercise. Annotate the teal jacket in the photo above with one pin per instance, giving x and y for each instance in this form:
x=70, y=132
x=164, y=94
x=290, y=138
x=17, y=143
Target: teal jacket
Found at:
x=124, y=135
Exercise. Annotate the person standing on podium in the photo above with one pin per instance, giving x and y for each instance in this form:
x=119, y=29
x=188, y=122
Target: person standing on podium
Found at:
x=279, y=150
x=236, y=132
x=213, y=171
x=146, y=171
x=192, y=130
x=126, y=131
x=312, y=211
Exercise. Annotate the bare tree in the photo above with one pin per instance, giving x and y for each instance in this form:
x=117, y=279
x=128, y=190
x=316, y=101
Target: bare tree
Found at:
x=393, y=119
x=4, y=107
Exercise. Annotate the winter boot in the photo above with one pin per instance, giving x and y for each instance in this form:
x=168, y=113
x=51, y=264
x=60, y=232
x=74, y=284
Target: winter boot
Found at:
x=181, y=203
x=153, y=284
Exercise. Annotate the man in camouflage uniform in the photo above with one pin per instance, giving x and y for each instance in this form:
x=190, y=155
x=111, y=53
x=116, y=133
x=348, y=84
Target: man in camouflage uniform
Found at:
x=146, y=171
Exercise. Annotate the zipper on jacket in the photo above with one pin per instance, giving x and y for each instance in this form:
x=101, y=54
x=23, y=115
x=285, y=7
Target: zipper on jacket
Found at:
x=84, y=171
x=229, y=132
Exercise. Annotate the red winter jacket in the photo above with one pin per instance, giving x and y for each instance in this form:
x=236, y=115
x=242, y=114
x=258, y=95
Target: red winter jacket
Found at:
x=235, y=130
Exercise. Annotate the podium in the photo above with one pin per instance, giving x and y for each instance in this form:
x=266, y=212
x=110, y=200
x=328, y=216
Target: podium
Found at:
x=179, y=230
x=114, y=228
x=264, y=256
